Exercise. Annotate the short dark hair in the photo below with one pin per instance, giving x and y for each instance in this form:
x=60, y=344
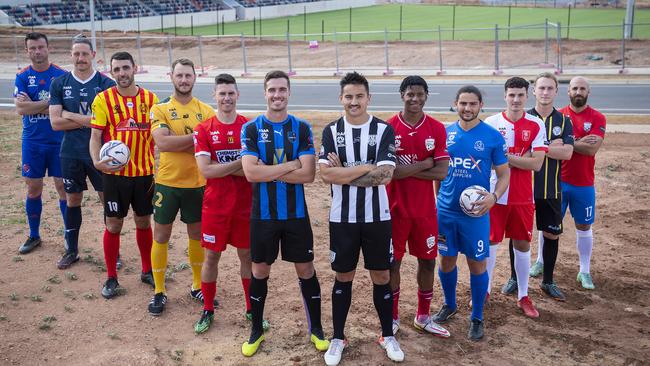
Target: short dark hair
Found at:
x=121, y=56
x=413, y=80
x=546, y=75
x=225, y=79
x=356, y=79
x=516, y=82
x=35, y=36
x=276, y=74
x=81, y=39
x=470, y=89
x=184, y=62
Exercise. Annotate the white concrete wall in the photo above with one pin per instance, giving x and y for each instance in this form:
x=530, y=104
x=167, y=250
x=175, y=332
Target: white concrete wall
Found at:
x=295, y=9
x=153, y=22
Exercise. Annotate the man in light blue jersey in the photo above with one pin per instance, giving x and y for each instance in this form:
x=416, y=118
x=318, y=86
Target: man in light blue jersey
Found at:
x=40, y=144
x=71, y=96
x=474, y=148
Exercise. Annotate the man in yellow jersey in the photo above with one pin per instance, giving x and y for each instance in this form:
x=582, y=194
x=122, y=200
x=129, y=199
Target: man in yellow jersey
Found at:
x=179, y=185
x=122, y=113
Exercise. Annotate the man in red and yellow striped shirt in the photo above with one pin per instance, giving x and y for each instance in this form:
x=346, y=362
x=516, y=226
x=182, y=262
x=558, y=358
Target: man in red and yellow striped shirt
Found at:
x=123, y=113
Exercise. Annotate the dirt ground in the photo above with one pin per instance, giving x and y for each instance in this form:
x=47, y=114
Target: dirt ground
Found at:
x=49, y=316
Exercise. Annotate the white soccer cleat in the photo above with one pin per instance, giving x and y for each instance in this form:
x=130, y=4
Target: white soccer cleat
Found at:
x=335, y=351
x=432, y=327
x=393, y=351
x=395, y=326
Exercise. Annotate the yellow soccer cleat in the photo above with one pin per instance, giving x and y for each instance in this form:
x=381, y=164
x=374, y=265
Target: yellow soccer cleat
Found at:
x=249, y=349
x=320, y=342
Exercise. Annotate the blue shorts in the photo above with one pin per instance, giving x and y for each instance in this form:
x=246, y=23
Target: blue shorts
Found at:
x=38, y=158
x=461, y=233
x=75, y=172
x=581, y=201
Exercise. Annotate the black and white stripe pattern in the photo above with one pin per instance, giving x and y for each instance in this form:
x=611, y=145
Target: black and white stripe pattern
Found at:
x=370, y=143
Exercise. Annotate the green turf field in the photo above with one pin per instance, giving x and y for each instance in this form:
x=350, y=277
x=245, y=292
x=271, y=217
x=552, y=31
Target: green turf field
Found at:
x=420, y=20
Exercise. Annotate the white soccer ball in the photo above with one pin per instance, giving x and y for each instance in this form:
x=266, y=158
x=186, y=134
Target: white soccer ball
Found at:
x=117, y=151
x=468, y=199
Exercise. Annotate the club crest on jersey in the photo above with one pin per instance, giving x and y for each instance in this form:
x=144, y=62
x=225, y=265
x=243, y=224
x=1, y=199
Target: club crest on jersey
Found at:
x=340, y=139
x=525, y=135
x=430, y=144
x=174, y=115
x=431, y=242
x=143, y=108
x=587, y=126
x=199, y=116
x=557, y=131
x=291, y=136
x=479, y=146
x=372, y=140
x=45, y=95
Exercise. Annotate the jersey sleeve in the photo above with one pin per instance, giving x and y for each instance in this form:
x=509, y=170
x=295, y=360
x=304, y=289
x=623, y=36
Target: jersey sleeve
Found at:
x=440, y=150
x=201, y=141
x=386, y=151
x=20, y=85
x=158, y=118
x=327, y=146
x=598, y=125
x=567, y=135
x=99, y=118
x=499, y=150
x=249, y=140
x=55, y=92
x=306, y=146
x=539, y=143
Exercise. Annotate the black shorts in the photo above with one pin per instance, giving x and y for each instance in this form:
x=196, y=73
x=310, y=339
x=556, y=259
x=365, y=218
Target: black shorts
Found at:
x=548, y=214
x=121, y=192
x=75, y=172
x=293, y=237
x=348, y=239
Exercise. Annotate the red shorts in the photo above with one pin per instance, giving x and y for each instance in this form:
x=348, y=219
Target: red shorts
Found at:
x=217, y=231
x=513, y=221
x=421, y=234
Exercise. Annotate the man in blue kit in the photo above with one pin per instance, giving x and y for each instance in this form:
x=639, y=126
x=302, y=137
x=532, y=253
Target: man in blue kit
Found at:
x=40, y=144
x=71, y=96
x=474, y=147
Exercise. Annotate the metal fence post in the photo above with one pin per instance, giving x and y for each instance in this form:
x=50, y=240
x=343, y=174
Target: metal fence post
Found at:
x=336, y=50
x=623, y=70
x=139, y=47
x=388, y=70
x=546, y=41
x=291, y=72
x=203, y=73
x=101, y=45
x=243, y=50
x=558, y=69
x=496, y=71
x=169, y=50
x=440, y=72
x=17, y=57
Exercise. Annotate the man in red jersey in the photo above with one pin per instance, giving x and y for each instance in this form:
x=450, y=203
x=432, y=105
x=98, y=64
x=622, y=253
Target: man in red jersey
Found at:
x=578, y=191
x=420, y=144
x=512, y=216
x=227, y=197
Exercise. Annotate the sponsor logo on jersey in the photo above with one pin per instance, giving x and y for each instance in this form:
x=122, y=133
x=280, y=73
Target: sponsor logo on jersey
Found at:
x=587, y=126
x=129, y=104
x=227, y=156
x=466, y=163
x=557, y=131
x=67, y=92
x=231, y=140
x=450, y=138
x=430, y=144
x=131, y=125
x=32, y=81
x=479, y=146
x=209, y=238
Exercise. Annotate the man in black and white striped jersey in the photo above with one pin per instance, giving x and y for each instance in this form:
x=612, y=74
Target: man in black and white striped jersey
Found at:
x=357, y=158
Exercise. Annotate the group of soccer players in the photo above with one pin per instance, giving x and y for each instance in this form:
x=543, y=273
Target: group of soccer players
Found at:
x=241, y=182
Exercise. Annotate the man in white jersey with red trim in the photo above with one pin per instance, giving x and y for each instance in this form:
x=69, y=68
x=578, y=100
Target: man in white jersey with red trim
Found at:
x=512, y=216
x=420, y=144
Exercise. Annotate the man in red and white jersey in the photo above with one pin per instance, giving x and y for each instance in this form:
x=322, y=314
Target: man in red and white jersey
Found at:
x=512, y=216
x=225, y=217
x=578, y=191
x=420, y=144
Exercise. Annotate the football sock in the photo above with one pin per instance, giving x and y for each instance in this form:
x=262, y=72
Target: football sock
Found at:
x=33, y=209
x=209, y=290
x=584, y=243
x=382, y=297
x=195, y=255
x=341, y=300
x=73, y=224
x=448, y=281
x=258, y=291
x=63, y=206
x=396, y=304
x=540, y=247
x=522, y=266
x=513, y=274
x=478, y=284
x=111, y=249
x=424, y=303
x=491, y=263
x=144, y=238
x=246, y=284
x=550, y=256
x=310, y=289
x=159, y=265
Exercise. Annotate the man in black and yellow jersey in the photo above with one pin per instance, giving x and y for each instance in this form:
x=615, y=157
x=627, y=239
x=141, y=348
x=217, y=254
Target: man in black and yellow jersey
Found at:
x=548, y=192
x=179, y=185
x=122, y=113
